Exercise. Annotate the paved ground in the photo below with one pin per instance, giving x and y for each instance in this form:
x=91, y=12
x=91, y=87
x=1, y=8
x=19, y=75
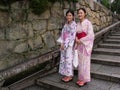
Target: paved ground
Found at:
x=105, y=68
x=54, y=80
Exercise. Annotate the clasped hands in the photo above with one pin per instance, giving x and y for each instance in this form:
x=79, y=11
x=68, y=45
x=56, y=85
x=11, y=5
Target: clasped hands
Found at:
x=77, y=41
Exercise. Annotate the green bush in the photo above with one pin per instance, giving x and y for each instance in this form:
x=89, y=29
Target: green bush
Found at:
x=7, y=2
x=39, y=6
x=53, y=1
x=106, y=3
x=115, y=7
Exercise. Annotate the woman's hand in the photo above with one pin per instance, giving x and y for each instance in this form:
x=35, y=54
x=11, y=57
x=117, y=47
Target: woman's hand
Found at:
x=78, y=41
x=62, y=46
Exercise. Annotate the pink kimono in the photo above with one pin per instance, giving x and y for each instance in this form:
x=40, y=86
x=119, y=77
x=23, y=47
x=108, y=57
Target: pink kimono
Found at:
x=67, y=38
x=85, y=50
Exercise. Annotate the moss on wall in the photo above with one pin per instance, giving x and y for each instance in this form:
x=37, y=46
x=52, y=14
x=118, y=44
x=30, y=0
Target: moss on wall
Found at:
x=37, y=6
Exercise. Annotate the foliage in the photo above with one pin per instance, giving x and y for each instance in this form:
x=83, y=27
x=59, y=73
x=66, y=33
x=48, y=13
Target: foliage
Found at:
x=106, y=3
x=73, y=0
x=7, y=2
x=53, y=1
x=37, y=6
x=116, y=6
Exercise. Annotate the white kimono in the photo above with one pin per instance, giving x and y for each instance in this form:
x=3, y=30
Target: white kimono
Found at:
x=67, y=38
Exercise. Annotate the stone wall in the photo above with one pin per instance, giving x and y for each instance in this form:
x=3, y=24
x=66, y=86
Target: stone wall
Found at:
x=24, y=35
x=99, y=15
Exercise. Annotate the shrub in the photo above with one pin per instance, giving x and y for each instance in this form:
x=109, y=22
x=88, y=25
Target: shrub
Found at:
x=39, y=6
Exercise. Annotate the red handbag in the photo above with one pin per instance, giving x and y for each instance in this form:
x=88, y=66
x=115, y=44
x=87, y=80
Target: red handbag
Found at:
x=81, y=35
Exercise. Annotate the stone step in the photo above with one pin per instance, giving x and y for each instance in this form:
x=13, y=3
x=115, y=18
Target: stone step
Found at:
x=117, y=31
x=115, y=34
x=109, y=45
x=106, y=59
x=53, y=82
x=113, y=37
x=106, y=51
x=116, y=41
x=106, y=72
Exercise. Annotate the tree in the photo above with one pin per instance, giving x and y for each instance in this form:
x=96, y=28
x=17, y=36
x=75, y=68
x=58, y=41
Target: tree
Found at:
x=106, y=3
x=115, y=7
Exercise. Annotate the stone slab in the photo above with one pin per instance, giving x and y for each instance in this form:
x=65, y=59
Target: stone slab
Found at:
x=115, y=41
x=109, y=45
x=95, y=84
x=106, y=51
x=106, y=59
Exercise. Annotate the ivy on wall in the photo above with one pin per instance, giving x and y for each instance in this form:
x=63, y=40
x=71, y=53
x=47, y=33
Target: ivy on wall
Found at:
x=37, y=6
x=7, y=2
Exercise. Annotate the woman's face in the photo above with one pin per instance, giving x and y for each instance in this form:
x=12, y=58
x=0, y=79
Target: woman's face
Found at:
x=69, y=17
x=81, y=14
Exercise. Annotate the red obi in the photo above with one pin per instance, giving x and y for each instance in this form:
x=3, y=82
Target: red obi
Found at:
x=80, y=35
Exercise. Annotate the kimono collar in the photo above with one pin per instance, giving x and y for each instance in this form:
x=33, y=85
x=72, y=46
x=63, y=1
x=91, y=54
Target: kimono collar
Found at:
x=70, y=23
x=83, y=21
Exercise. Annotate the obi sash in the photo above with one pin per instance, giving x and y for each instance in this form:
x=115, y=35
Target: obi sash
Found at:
x=81, y=35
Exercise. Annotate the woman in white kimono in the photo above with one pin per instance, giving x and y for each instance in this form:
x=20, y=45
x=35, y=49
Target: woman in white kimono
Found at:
x=84, y=41
x=67, y=39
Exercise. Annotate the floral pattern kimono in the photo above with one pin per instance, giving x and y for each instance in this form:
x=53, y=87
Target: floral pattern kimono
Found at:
x=67, y=38
x=85, y=50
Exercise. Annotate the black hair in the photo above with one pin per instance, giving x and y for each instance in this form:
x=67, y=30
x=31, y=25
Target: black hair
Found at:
x=70, y=11
x=83, y=9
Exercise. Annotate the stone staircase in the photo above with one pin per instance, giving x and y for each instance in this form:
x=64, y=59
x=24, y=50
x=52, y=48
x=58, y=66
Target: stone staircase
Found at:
x=106, y=58
x=105, y=69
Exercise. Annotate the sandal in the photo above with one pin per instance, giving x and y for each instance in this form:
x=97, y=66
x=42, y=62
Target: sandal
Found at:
x=80, y=83
x=67, y=79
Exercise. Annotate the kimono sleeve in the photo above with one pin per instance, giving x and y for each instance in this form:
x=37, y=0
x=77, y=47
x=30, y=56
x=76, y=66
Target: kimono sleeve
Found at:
x=72, y=35
x=90, y=35
x=89, y=39
x=60, y=39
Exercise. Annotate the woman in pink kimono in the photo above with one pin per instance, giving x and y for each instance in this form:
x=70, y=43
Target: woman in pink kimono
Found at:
x=84, y=41
x=67, y=39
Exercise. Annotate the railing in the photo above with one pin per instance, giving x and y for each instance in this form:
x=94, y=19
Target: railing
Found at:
x=103, y=33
